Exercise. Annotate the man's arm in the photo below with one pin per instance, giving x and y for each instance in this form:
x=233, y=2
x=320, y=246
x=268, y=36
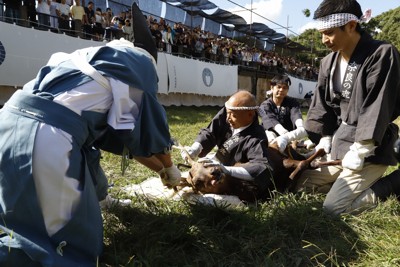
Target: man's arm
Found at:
x=269, y=118
x=321, y=118
x=382, y=103
x=214, y=133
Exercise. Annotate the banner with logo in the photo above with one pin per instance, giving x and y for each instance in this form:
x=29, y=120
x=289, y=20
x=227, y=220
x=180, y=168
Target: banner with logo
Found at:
x=301, y=89
x=202, y=78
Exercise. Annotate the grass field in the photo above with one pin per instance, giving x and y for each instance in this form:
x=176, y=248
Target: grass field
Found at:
x=291, y=230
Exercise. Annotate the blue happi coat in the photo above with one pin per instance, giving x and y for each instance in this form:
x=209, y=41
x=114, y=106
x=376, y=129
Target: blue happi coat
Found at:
x=23, y=237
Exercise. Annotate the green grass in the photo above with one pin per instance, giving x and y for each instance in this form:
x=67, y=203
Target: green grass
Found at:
x=290, y=230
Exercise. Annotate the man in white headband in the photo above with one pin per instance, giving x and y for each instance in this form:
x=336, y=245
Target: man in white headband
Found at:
x=236, y=132
x=352, y=112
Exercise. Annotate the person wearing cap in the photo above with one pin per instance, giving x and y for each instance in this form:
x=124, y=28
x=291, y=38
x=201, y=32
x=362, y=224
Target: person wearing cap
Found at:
x=351, y=116
x=239, y=137
x=51, y=131
x=283, y=121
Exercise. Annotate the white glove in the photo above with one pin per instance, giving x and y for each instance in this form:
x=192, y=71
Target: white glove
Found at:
x=325, y=143
x=299, y=123
x=237, y=172
x=270, y=136
x=280, y=129
x=282, y=142
x=170, y=176
x=354, y=158
x=297, y=134
x=193, y=151
x=213, y=163
x=309, y=144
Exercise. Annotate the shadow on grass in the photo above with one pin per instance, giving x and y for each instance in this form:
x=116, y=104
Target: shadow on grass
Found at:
x=289, y=231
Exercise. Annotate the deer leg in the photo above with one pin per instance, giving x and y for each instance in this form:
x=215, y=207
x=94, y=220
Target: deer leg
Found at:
x=316, y=165
x=289, y=163
x=299, y=169
x=305, y=164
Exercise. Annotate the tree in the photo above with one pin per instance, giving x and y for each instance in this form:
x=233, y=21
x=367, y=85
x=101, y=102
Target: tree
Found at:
x=311, y=38
x=388, y=27
x=306, y=12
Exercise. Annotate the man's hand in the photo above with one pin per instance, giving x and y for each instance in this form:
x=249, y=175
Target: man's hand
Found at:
x=354, y=158
x=309, y=144
x=353, y=161
x=325, y=143
x=282, y=142
x=270, y=136
x=191, y=151
x=170, y=176
x=214, y=163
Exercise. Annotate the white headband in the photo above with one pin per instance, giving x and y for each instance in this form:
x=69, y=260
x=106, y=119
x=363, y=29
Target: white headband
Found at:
x=240, y=108
x=340, y=19
x=259, y=110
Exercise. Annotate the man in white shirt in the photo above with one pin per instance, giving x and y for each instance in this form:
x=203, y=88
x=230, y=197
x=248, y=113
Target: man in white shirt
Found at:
x=43, y=10
x=63, y=13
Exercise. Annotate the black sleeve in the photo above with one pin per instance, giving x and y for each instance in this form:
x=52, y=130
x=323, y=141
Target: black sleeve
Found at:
x=214, y=133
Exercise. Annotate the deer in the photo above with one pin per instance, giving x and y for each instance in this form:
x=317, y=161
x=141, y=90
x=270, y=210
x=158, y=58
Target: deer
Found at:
x=287, y=167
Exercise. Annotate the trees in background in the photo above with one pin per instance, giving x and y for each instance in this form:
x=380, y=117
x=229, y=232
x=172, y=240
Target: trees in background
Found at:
x=386, y=27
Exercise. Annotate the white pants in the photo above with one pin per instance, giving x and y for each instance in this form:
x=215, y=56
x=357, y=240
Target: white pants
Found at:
x=347, y=190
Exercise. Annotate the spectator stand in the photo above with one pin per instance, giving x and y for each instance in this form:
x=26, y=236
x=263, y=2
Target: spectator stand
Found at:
x=251, y=60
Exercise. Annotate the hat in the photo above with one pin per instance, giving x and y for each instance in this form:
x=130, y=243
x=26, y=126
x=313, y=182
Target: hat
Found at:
x=143, y=36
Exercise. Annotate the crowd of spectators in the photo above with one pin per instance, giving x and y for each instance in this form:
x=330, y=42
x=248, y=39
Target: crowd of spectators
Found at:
x=71, y=17
x=74, y=18
x=179, y=39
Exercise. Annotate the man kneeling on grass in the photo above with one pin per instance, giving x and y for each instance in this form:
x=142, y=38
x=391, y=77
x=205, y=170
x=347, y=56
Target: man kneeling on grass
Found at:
x=240, y=138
